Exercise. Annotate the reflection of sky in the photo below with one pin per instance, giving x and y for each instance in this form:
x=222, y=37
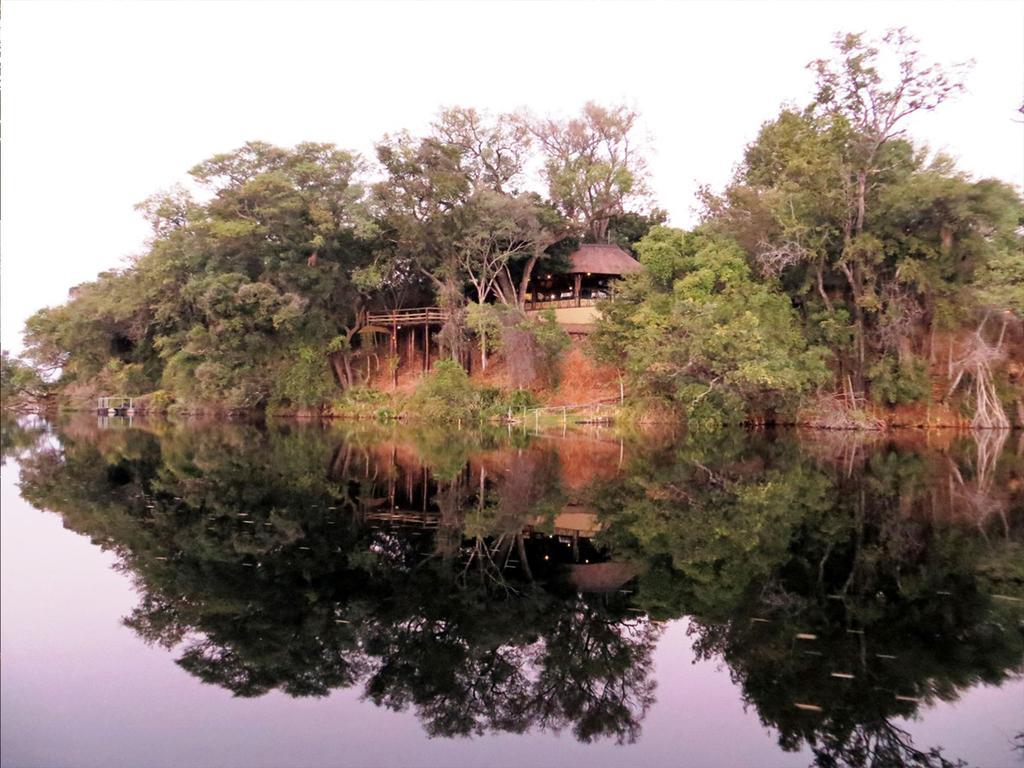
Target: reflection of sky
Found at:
x=80, y=689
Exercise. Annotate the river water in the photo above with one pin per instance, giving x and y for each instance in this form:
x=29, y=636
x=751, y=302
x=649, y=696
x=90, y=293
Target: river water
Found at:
x=355, y=595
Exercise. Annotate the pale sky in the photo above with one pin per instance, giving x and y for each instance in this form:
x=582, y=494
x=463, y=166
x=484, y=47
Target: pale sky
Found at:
x=106, y=103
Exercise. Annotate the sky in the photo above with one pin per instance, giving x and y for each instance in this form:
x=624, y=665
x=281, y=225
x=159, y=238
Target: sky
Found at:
x=105, y=103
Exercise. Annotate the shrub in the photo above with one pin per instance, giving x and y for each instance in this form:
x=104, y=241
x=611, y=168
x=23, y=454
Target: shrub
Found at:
x=446, y=395
x=365, y=403
x=895, y=382
x=306, y=382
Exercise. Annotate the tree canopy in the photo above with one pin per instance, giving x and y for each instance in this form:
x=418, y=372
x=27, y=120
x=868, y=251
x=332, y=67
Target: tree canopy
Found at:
x=841, y=260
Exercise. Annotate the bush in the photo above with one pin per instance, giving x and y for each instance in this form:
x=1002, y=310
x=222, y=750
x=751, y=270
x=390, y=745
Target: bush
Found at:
x=552, y=342
x=894, y=382
x=365, y=403
x=522, y=398
x=159, y=401
x=306, y=382
x=446, y=395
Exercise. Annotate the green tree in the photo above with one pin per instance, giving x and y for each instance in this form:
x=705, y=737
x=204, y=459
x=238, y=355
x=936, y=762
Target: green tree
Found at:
x=592, y=164
x=231, y=289
x=697, y=329
x=20, y=383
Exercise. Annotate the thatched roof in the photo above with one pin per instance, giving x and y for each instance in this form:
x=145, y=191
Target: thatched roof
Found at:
x=602, y=259
x=601, y=577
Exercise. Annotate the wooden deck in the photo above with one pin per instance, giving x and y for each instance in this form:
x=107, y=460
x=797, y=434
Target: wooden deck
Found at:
x=410, y=316
x=537, y=306
x=438, y=315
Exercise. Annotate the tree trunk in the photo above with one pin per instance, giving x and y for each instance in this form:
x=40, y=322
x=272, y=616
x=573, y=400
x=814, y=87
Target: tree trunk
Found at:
x=821, y=287
x=862, y=191
x=348, y=370
x=339, y=370
x=853, y=278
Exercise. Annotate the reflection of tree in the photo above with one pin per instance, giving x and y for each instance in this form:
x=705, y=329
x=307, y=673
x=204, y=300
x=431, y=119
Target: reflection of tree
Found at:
x=273, y=559
x=18, y=434
x=843, y=594
x=595, y=674
x=303, y=561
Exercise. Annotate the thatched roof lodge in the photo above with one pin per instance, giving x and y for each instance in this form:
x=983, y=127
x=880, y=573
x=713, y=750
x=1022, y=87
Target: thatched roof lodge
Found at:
x=603, y=259
x=574, y=293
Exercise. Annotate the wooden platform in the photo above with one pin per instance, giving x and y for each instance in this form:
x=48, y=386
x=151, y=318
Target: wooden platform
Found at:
x=411, y=316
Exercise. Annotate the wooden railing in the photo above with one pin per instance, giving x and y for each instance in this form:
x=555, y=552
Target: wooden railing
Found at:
x=536, y=306
x=410, y=316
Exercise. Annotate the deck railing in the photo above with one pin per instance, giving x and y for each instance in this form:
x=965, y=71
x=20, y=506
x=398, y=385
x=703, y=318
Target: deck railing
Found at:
x=537, y=306
x=438, y=315
x=410, y=316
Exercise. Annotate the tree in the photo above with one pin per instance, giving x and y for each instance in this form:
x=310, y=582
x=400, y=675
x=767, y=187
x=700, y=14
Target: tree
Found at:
x=592, y=165
x=696, y=328
x=231, y=290
x=854, y=87
x=879, y=244
x=20, y=383
x=493, y=151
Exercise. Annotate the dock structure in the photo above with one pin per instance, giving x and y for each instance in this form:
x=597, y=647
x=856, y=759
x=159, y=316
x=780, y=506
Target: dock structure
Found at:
x=409, y=316
x=392, y=321
x=115, y=405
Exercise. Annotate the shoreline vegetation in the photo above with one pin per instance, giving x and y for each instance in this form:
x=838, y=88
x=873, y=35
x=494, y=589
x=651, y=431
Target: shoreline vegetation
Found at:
x=844, y=278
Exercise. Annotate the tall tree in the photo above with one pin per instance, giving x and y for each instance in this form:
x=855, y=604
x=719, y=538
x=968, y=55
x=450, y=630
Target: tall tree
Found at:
x=855, y=86
x=592, y=164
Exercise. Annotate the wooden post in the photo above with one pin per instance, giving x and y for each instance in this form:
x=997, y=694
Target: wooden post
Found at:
x=426, y=347
x=394, y=351
x=577, y=286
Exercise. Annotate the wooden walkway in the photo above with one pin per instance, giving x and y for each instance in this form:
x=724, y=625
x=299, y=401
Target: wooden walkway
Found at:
x=439, y=315
x=410, y=316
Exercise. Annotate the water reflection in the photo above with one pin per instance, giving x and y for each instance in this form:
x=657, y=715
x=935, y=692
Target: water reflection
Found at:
x=495, y=582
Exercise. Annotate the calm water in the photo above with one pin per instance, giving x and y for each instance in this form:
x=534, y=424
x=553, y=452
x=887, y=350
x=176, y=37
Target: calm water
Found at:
x=305, y=596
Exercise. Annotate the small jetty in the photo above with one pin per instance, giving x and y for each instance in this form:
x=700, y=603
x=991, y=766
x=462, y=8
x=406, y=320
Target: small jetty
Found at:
x=115, y=405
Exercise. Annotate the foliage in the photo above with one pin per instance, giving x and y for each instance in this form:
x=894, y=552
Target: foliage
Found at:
x=20, y=383
x=307, y=382
x=267, y=559
x=446, y=395
x=835, y=233
x=697, y=328
x=877, y=242
x=894, y=381
x=234, y=292
x=592, y=165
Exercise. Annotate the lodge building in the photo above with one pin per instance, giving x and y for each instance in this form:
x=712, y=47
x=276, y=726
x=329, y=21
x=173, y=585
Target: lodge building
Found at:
x=572, y=295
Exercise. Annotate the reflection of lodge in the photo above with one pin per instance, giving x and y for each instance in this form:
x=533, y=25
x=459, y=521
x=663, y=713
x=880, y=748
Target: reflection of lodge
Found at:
x=401, y=496
x=572, y=522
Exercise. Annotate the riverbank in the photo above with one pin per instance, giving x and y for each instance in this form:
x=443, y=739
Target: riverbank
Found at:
x=581, y=391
